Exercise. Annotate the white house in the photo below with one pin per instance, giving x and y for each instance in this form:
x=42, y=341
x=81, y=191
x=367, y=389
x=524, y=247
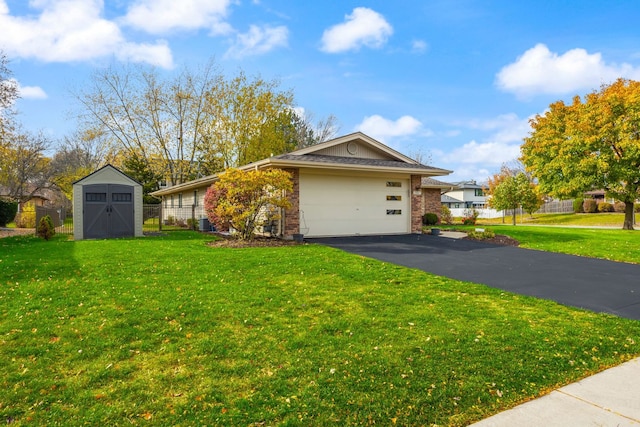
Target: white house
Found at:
x=351, y=185
x=465, y=195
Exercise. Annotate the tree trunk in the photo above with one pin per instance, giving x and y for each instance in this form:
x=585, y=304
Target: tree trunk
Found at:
x=628, y=216
x=514, y=216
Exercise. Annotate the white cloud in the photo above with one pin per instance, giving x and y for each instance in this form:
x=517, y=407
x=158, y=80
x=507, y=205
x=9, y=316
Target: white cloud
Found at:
x=419, y=46
x=508, y=127
x=487, y=153
x=258, y=41
x=31, y=92
x=364, y=27
x=380, y=128
x=72, y=30
x=540, y=71
x=162, y=16
x=470, y=172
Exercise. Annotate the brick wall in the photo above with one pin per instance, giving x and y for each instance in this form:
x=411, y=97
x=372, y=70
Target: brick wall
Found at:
x=292, y=215
x=431, y=201
x=416, y=204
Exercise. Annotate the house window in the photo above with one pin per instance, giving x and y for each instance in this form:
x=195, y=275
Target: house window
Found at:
x=395, y=184
x=457, y=206
x=180, y=200
x=166, y=202
x=172, y=202
x=394, y=211
x=395, y=198
x=479, y=192
x=195, y=197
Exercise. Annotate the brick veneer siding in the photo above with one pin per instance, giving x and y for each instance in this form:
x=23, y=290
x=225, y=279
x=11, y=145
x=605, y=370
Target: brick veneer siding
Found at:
x=292, y=215
x=416, y=204
x=431, y=201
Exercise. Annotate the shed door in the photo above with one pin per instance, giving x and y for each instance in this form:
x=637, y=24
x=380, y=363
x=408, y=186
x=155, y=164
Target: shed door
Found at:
x=108, y=211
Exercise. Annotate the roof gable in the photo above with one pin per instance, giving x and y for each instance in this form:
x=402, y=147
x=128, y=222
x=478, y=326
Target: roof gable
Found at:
x=106, y=174
x=355, y=145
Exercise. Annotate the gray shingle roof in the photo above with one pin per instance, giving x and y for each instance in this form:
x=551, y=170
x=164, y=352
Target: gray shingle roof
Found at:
x=319, y=158
x=430, y=182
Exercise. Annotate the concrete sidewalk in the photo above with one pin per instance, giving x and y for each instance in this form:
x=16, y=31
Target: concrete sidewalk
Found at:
x=610, y=398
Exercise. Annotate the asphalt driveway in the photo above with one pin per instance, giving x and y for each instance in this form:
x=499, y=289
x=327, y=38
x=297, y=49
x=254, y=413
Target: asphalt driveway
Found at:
x=593, y=284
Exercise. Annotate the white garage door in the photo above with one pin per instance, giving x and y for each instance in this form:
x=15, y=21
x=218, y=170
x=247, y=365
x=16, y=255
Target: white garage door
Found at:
x=350, y=205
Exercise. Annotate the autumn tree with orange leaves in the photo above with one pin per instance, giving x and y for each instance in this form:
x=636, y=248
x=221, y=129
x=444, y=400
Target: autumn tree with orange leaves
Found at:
x=241, y=200
x=594, y=143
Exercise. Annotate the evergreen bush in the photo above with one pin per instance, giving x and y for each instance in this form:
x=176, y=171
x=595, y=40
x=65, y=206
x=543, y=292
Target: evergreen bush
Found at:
x=8, y=212
x=46, y=229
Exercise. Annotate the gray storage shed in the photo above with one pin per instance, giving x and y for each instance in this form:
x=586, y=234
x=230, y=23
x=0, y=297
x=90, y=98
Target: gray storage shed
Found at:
x=107, y=204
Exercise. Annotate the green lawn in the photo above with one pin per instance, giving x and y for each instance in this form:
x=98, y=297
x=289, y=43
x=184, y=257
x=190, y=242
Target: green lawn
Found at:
x=168, y=331
x=564, y=219
x=615, y=245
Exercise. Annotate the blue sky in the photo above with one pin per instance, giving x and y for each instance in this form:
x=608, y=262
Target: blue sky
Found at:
x=453, y=80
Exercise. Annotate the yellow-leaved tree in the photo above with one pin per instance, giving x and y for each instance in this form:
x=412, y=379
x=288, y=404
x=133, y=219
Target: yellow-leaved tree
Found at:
x=240, y=200
x=591, y=144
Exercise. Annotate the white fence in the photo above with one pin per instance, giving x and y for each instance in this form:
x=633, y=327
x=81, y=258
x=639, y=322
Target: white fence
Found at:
x=562, y=206
x=482, y=213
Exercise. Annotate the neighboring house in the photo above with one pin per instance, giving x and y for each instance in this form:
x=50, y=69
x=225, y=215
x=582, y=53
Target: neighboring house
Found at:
x=465, y=195
x=351, y=185
x=37, y=198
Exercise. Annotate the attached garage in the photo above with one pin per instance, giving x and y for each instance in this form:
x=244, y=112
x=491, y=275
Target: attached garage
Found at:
x=338, y=205
x=107, y=204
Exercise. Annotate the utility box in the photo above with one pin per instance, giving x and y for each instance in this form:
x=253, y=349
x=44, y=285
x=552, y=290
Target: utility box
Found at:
x=204, y=224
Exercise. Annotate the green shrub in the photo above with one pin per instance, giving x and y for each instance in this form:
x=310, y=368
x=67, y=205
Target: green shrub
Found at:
x=618, y=207
x=192, y=223
x=46, y=229
x=590, y=206
x=8, y=212
x=577, y=205
x=429, y=219
x=481, y=235
x=445, y=215
x=605, y=207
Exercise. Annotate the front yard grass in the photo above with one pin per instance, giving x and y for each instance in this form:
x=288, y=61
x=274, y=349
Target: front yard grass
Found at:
x=566, y=219
x=615, y=245
x=168, y=331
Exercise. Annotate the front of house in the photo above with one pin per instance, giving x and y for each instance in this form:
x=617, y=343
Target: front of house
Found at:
x=351, y=185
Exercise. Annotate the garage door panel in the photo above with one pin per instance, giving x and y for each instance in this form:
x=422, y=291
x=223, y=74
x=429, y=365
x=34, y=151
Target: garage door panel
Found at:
x=351, y=205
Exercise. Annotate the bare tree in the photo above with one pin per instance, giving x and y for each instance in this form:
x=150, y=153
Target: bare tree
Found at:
x=132, y=110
